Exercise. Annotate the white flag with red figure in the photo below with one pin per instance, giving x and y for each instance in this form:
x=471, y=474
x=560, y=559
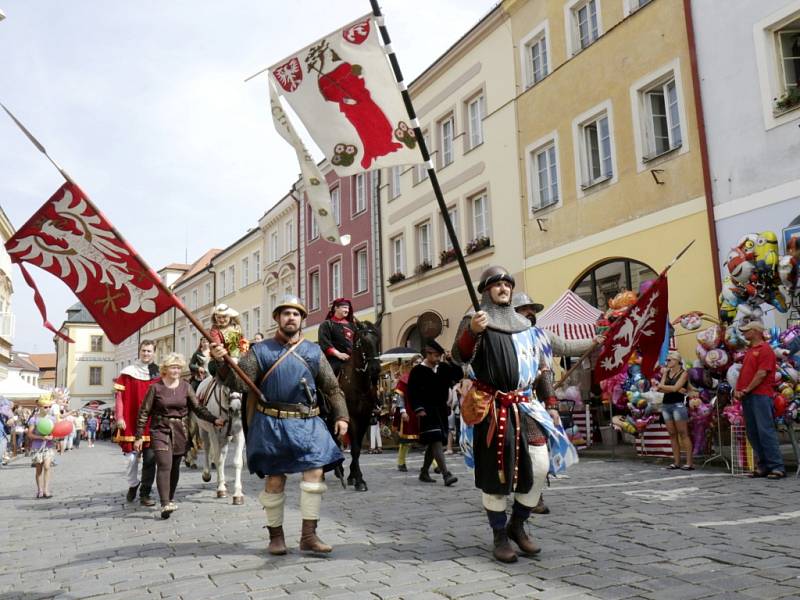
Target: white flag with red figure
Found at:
x=642, y=328
x=69, y=238
x=343, y=90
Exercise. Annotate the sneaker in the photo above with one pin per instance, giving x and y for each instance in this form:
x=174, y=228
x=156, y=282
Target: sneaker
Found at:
x=147, y=501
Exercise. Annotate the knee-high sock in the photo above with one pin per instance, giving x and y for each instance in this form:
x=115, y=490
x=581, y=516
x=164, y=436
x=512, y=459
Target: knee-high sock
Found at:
x=311, y=499
x=402, y=453
x=541, y=465
x=493, y=502
x=273, y=505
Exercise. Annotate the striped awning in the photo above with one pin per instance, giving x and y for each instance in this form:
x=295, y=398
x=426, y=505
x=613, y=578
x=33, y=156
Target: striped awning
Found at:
x=570, y=317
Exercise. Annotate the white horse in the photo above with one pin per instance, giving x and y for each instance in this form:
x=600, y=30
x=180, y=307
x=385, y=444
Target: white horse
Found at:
x=221, y=402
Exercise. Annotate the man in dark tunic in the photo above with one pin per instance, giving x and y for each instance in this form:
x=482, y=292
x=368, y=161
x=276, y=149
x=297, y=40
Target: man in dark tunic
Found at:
x=429, y=386
x=510, y=451
x=336, y=334
x=286, y=435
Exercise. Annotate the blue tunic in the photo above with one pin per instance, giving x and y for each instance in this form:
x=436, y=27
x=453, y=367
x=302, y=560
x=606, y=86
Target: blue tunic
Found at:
x=278, y=446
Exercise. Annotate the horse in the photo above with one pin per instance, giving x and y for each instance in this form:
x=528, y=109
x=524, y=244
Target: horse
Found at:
x=358, y=379
x=222, y=402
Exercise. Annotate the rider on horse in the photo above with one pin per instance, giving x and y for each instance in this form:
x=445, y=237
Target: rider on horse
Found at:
x=286, y=434
x=337, y=332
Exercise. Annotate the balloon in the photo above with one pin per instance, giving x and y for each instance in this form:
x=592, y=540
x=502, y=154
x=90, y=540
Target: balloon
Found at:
x=747, y=244
x=787, y=271
x=779, y=403
x=44, y=426
x=766, y=252
x=733, y=374
x=691, y=321
x=718, y=359
x=622, y=300
x=739, y=266
x=701, y=353
x=62, y=429
x=710, y=338
x=646, y=285
x=734, y=340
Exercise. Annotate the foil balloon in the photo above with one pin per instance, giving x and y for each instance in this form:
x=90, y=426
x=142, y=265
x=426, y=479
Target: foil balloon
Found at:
x=766, y=252
x=779, y=404
x=691, y=321
x=739, y=266
x=718, y=359
x=734, y=340
x=710, y=338
x=732, y=376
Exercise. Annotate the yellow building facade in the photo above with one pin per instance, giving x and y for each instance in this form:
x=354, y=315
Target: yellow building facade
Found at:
x=611, y=174
x=464, y=102
x=279, y=227
x=196, y=289
x=161, y=330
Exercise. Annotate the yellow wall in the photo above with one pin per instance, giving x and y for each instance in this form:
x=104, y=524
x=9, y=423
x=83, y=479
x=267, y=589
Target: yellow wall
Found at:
x=79, y=359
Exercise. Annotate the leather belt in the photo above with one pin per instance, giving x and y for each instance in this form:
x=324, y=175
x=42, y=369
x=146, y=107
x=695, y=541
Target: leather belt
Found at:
x=287, y=414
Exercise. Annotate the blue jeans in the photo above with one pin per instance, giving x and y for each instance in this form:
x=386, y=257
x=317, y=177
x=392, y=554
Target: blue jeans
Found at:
x=674, y=412
x=760, y=425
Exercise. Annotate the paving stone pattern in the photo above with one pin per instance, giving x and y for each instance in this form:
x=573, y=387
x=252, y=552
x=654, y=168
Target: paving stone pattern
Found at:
x=618, y=529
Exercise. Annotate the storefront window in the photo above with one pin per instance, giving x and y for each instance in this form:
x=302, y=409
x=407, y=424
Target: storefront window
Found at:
x=600, y=284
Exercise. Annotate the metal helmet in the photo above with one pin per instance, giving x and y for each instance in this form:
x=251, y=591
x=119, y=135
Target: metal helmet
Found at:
x=289, y=302
x=520, y=299
x=494, y=274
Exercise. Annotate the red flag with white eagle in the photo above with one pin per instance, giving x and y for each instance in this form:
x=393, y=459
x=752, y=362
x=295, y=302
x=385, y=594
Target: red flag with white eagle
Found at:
x=642, y=328
x=71, y=239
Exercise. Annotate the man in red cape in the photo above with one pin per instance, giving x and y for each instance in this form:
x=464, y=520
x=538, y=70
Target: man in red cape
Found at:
x=129, y=391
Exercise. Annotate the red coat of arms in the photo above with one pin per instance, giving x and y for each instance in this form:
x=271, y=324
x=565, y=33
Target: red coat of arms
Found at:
x=289, y=75
x=357, y=33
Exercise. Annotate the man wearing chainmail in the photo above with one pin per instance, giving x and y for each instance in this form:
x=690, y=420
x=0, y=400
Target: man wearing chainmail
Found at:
x=286, y=435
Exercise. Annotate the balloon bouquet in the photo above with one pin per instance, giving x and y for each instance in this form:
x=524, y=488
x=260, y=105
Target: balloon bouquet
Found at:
x=629, y=392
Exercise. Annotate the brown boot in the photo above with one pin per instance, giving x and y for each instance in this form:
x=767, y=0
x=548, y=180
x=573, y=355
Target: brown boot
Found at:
x=277, y=543
x=309, y=542
x=516, y=532
x=502, y=548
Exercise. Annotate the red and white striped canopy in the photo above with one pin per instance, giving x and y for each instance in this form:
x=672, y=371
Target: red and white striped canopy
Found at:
x=570, y=317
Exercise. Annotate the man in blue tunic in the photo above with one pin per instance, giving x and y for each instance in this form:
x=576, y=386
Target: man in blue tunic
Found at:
x=286, y=434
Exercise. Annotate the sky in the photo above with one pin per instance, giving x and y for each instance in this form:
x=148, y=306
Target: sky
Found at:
x=144, y=104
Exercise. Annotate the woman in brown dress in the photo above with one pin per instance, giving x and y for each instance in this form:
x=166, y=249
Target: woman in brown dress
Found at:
x=167, y=405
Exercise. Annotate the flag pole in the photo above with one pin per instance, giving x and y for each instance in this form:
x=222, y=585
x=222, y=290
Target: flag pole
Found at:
x=437, y=190
x=153, y=275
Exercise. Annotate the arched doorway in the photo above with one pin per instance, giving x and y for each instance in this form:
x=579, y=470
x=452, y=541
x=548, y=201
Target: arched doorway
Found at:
x=412, y=339
x=606, y=279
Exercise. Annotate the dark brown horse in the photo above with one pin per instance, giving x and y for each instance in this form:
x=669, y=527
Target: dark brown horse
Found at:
x=359, y=382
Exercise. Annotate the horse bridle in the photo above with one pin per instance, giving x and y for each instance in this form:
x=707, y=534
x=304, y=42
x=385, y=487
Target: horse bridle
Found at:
x=226, y=412
x=364, y=358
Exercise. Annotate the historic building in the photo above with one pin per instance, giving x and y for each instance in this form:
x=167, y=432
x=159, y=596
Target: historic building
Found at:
x=748, y=59
x=465, y=105
x=281, y=272
x=331, y=271
x=86, y=367
x=161, y=330
x=197, y=290
x=611, y=175
x=6, y=290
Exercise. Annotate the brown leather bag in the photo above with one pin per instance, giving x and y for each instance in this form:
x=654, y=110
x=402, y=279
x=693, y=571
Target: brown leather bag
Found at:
x=475, y=404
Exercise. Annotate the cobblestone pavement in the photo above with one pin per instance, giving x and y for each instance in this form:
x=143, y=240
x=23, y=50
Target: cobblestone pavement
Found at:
x=618, y=529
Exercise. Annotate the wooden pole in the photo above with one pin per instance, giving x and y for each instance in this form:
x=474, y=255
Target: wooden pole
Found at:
x=423, y=147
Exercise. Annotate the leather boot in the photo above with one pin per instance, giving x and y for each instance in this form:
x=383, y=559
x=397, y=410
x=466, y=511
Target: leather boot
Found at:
x=309, y=542
x=277, y=543
x=502, y=548
x=516, y=533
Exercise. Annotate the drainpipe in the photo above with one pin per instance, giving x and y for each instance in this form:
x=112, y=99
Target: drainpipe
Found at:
x=379, y=289
x=701, y=132
x=300, y=231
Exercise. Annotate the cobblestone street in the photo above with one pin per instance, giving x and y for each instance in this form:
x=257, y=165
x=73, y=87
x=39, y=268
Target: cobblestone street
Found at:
x=618, y=529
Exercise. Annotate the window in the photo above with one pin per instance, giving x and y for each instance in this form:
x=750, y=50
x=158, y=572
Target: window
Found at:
x=313, y=287
x=221, y=284
x=273, y=246
x=335, y=279
x=288, y=236
x=583, y=24
x=207, y=294
x=398, y=255
x=476, y=111
x=256, y=265
x=336, y=203
x=361, y=194
x=479, y=206
x=596, y=151
x=97, y=343
x=314, y=225
x=536, y=61
x=362, y=272
x=604, y=281
x=394, y=184
x=273, y=298
x=245, y=272
x=421, y=170
x=95, y=375
x=446, y=135
x=663, y=125
x=246, y=324
x=257, y=319
x=424, y=249
x=447, y=243
x=543, y=171
x=232, y=278
x=194, y=299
